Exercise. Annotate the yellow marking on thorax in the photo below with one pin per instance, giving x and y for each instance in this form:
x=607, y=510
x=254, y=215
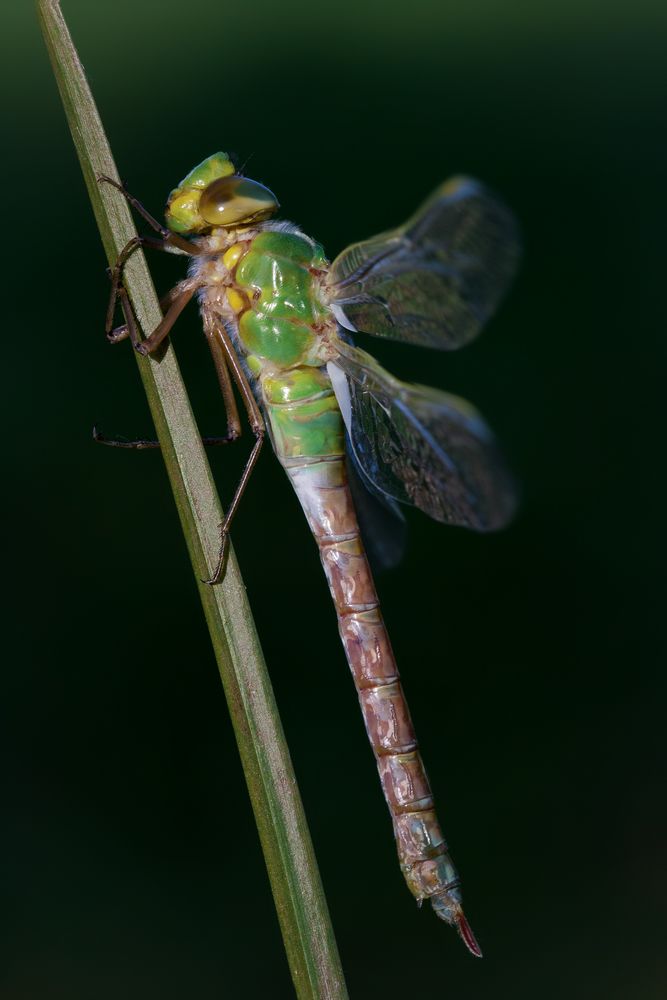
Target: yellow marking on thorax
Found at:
x=236, y=300
x=231, y=257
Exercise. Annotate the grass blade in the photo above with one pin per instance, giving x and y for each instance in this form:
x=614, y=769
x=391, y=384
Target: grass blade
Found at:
x=288, y=851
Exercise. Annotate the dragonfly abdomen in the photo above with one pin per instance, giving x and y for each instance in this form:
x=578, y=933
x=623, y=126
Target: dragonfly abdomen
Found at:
x=315, y=462
x=284, y=329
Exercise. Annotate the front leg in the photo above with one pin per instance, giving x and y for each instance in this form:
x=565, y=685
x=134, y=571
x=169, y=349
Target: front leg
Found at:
x=123, y=331
x=167, y=242
x=175, y=302
x=172, y=239
x=117, y=274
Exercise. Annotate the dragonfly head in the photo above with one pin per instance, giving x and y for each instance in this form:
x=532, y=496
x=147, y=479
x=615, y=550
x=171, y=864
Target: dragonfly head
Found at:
x=213, y=194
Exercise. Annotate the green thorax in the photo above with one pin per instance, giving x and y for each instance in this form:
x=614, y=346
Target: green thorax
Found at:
x=279, y=277
x=283, y=326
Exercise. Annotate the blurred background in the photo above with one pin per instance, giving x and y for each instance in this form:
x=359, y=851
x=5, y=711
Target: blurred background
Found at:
x=533, y=660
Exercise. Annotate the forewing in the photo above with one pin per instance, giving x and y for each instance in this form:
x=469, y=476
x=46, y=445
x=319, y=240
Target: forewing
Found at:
x=422, y=447
x=436, y=280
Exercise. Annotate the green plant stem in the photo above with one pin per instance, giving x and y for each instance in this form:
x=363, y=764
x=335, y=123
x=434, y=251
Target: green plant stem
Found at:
x=295, y=881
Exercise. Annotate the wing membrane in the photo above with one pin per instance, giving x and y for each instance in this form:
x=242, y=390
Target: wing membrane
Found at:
x=436, y=280
x=422, y=447
x=381, y=520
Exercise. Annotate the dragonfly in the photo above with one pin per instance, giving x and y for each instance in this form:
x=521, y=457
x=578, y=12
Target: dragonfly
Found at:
x=280, y=320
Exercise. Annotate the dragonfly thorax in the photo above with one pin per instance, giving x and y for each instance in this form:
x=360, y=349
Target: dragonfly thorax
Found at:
x=269, y=284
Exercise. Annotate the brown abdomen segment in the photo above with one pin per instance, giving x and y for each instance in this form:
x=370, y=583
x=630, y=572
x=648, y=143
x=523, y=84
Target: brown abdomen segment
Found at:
x=325, y=497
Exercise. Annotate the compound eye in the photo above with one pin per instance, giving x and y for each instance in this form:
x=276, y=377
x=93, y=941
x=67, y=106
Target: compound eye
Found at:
x=232, y=201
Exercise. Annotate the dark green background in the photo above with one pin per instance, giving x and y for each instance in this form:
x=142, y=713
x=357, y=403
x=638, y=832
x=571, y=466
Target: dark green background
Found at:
x=533, y=660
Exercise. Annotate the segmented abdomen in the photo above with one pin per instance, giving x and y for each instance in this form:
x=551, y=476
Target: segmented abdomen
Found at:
x=308, y=436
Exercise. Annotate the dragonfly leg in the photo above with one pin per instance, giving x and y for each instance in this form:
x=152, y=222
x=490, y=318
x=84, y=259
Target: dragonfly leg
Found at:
x=219, y=570
x=168, y=241
x=179, y=297
x=117, y=274
x=143, y=444
x=169, y=238
x=225, y=357
x=231, y=409
x=176, y=299
x=226, y=388
x=129, y=327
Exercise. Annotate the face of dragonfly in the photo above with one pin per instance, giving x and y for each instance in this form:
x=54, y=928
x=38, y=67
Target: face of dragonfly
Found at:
x=214, y=195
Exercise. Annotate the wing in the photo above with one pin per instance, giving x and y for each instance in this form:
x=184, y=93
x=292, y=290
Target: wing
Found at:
x=420, y=446
x=436, y=280
x=381, y=521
